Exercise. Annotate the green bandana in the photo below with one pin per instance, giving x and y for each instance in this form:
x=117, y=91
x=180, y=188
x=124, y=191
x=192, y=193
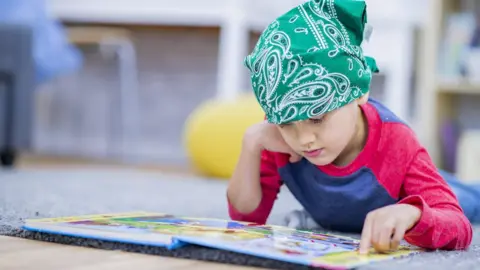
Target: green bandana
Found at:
x=309, y=60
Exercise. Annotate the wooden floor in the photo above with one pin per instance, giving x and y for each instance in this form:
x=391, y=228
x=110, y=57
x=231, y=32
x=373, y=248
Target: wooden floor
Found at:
x=23, y=254
x=33, y=161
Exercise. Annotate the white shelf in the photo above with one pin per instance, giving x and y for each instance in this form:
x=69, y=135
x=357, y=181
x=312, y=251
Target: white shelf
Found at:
x=142, y=16
x=459, y=88
x=158, y=12
x=213, y=12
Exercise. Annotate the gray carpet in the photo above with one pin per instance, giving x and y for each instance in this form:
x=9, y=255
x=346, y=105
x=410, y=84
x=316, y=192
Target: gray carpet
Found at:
x=51, y=193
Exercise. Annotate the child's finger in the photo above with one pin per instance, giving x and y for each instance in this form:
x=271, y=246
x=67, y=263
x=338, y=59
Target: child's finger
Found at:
x=384, y=234
x=376, y=228
x=366, y=238
x=400, y=230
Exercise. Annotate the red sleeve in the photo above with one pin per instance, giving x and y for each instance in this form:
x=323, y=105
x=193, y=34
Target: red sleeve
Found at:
x=270, y=182
x=442, y=224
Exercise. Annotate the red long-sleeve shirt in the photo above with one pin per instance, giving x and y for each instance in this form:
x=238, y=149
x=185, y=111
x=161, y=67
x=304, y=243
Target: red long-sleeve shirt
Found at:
x=392, y=168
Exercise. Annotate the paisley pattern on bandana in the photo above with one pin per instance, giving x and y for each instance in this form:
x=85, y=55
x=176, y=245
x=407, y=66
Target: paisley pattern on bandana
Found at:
x=309, y=60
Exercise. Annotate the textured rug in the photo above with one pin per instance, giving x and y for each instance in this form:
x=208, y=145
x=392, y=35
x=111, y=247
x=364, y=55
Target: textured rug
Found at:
x=65, y=192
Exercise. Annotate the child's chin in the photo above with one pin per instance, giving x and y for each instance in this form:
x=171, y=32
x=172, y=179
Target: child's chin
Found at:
x=319, y=161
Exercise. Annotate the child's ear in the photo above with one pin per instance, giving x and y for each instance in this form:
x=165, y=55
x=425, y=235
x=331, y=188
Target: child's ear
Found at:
x=363, y=99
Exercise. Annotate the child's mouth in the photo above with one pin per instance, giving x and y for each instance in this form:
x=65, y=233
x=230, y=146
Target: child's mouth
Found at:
x=313, y=153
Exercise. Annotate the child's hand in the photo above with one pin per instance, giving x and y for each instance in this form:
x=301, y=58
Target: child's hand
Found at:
x=384, y=228
x=268, y=137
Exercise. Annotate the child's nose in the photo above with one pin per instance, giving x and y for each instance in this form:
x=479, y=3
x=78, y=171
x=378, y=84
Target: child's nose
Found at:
x=306, y=138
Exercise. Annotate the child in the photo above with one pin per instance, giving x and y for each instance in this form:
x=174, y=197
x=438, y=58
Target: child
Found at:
x=350, y=162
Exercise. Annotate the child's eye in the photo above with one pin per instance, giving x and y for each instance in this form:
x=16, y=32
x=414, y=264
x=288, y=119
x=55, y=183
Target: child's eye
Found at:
x=317, y=121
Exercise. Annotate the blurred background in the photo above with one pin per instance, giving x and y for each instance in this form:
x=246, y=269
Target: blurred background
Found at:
x=145, y=83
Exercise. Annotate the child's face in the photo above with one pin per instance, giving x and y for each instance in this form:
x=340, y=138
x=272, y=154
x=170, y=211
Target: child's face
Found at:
x=321, y=140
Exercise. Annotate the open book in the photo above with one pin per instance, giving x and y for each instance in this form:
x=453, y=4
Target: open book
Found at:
x=273, y=242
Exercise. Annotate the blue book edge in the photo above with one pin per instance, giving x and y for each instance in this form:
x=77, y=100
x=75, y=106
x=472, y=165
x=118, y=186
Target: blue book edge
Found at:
x=175, y=244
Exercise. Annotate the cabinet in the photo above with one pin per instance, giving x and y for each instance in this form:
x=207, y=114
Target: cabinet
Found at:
x=442, y=97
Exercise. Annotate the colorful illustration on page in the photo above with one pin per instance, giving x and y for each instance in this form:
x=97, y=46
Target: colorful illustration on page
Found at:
x=171, y=225
x=352, y=258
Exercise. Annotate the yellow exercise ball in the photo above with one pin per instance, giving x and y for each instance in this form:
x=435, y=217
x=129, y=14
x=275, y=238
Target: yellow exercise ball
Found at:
x=214, y=131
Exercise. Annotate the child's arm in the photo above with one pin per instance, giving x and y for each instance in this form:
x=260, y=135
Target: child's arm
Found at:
x=254, y=185
x=442, y=224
